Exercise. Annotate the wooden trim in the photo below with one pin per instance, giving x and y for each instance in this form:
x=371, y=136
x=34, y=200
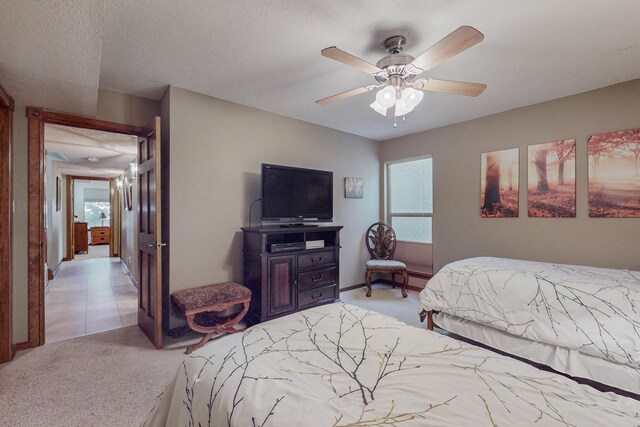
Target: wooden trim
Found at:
x=36, y=231
x=419, y=274
x=388, y=282
x=352, y=287
x=54, y=118
x=6, y=228
x=25, y=345
x=5, y=100
x=37, y=244
x=70, y=219
x=385, y=281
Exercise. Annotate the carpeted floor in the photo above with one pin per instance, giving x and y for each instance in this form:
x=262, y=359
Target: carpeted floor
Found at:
x=112, y=378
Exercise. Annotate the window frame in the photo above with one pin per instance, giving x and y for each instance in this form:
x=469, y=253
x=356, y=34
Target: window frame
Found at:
x=387, y=199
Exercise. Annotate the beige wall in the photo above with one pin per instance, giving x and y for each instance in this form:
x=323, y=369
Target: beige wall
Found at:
x=217, y=149
x=459, y=231
x=129, y=231
x=56, y=232
x=112, y=106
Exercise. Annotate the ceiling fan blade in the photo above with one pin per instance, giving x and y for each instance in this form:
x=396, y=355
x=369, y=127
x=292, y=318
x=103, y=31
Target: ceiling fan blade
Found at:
x=347, y=94
x=350, y=60
x=457, y=41
x=447, y=86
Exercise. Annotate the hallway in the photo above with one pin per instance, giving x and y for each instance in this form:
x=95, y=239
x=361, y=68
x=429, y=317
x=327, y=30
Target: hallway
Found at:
x=89, y=296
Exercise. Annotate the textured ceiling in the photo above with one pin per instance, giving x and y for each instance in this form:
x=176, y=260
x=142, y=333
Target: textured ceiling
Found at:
x=50, y=53
x=266, y=53
x=113, y=151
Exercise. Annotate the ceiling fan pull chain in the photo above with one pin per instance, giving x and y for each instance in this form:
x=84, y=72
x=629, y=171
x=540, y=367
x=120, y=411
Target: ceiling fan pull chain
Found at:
x=395, y=123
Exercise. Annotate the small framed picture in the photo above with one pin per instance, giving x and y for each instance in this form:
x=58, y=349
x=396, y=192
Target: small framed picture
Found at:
x=353, y=188
x=58, y=193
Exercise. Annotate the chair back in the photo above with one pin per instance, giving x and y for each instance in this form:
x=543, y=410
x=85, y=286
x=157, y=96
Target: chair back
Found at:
x=381, y=241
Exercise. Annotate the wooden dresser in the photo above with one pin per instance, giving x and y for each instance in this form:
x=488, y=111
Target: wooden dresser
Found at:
x=100, y=235
x=285, y=282
x=80, y=237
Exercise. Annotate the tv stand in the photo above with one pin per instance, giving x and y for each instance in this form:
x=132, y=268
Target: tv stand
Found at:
x=282, y=283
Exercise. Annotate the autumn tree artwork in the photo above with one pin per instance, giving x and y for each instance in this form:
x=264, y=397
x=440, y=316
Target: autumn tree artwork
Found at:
x=552, y=179
x=614, y=174
x=499, y=184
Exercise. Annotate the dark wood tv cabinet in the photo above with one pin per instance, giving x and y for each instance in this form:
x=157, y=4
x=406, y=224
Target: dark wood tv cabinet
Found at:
x=285, y=282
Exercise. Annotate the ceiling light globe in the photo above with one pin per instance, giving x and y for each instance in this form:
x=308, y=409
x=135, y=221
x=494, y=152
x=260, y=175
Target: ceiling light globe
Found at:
x=412, y=97
x=378, y=108
x=402, y=108
x=386, y=97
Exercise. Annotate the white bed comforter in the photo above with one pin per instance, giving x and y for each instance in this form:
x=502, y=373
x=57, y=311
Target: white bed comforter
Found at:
x=595, y=311
x=340, y=365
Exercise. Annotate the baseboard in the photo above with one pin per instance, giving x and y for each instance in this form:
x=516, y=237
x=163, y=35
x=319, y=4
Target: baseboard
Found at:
x=25, y=345
x=388, y=282
x=419, y=274
x=384, y=281
x=131, y=276
x=352, y=287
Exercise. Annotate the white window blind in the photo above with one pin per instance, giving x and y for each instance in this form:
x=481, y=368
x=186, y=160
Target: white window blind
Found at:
x=410, y=199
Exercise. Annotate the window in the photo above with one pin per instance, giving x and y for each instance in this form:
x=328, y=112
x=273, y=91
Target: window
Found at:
x=92, y=211
x=410, y=199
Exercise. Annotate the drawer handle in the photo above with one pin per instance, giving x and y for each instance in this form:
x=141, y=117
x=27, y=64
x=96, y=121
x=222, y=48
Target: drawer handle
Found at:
x=317, y=279
x=316, y=260
x=316, y=297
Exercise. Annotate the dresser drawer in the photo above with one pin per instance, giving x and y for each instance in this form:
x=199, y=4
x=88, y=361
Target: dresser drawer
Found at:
x=317, y=296
x=98, y=240
x=317, y=278
x=316, y=260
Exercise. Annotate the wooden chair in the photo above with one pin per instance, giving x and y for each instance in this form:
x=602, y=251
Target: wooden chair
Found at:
x=381, y=244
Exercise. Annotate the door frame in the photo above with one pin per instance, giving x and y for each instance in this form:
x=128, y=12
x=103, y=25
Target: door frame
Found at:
x=70, y=218
x=37, y=238
x=7, y=350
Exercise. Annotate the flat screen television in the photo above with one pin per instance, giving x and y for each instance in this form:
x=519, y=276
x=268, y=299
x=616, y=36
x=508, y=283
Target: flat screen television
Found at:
x=296, y=195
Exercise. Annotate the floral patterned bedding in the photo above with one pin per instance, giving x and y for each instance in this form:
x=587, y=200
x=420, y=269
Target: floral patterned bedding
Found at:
x=594, y=311
x=340, y=365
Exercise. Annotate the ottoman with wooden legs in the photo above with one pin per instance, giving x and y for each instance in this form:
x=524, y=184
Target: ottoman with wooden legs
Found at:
x=200, y=305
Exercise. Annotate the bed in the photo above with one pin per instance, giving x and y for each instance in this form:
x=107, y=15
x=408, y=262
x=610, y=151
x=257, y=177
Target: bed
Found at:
x=338, y=365
x=582, y=321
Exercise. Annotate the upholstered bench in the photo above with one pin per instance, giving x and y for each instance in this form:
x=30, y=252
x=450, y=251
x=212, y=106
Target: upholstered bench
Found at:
x=199, y=305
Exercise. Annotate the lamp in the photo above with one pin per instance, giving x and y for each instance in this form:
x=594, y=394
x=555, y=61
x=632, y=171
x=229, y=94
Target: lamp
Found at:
x=387, y=97
x=133, y=168
x=102, y=217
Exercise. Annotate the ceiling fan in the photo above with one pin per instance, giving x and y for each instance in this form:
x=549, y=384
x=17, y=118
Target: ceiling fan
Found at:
x=396, y=73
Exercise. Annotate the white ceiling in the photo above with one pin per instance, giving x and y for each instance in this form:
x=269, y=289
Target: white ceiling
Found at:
x=113, y=151
x=266, y=54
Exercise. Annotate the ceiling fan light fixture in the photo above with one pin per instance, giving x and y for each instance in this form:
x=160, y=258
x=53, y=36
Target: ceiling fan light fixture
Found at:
x=375, y=105
x=386, y=97
x=412, y=97
x=402, y=108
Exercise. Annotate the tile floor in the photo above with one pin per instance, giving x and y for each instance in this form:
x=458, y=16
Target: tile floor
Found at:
x=88, y=296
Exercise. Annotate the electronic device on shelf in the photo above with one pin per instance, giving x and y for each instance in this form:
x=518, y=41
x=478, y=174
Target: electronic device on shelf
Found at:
x=314, y=244
x=296, y=195
x=287, y=247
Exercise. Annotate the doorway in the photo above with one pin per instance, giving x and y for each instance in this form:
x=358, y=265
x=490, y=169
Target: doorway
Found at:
x=151, y=227
x=88, y=289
